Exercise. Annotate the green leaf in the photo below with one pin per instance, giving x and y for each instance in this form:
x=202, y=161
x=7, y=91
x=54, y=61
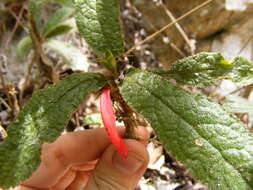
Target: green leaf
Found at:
x=24, y=47
x=59, y=30
x=42, y=120
x=242, y=72
x=55, y=25
x=93, y=119
x=72, y=56
x=110, y=62
x=99, y=23
x=212, y=144
x=205, y=69
x=236, y=104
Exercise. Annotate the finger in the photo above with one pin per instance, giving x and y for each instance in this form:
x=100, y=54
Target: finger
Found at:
x=65, y=181
x=85, y=167
x=69, y=149
x=114, y=172
x=23, y=187
x=80, y=181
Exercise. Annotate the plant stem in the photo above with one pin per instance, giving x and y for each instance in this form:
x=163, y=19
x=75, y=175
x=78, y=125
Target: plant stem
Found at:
x=126, y=112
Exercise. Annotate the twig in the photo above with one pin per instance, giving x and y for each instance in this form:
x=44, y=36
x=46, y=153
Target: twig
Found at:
x=248, y=91
x=180, y=29
x=172, y=45
x=29, y=71
x=20, y=22
x=46, y=63
x=35, y=34
x=245, y=45
x=13, y=93
x=177, y=49
x=166, y=27
x=15, y=27
x=3, y=62
x=5, y=104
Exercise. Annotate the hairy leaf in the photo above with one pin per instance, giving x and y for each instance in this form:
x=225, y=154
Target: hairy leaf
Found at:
x=99, y=23
x=55, y=24
x=41, y=120
x=236, y=104
x=72, y=56
x=242, y=72
x=212, y=144
x=205, y=69
x=109, y=62
x=24, y=47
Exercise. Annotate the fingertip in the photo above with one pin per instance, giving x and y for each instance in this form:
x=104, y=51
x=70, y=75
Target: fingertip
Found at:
x=135, y=163
x=115, y=172
x=138, y=149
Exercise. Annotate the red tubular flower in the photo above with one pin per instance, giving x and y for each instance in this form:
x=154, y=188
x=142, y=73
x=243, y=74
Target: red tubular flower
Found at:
x=108, y=118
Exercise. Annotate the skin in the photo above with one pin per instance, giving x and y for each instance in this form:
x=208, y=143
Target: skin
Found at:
x=88, y=159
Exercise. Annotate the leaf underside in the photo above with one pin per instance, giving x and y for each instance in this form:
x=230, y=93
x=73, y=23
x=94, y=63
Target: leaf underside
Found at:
x=204, y=69
x=42, y=119
x=212, y=144
x=99, y=23
x=237, y=104
x=71, y=55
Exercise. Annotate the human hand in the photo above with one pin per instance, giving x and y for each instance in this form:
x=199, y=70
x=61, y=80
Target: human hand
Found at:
x=88, y=159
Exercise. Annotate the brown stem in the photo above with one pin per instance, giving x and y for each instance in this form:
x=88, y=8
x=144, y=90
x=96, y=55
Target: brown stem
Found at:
x=35, y=34
x=45, y=64
x=126, y=112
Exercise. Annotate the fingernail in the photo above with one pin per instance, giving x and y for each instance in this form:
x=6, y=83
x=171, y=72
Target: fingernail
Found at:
x=128, y=165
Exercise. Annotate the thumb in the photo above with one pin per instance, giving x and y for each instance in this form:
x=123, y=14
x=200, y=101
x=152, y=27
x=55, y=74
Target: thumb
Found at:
x=114, y=172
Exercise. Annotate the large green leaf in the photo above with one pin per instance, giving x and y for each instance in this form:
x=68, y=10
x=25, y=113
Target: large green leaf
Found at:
x=212, y=144
x=205, y=69
x=99, y=23
x=42, y=120
x=55, y=23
